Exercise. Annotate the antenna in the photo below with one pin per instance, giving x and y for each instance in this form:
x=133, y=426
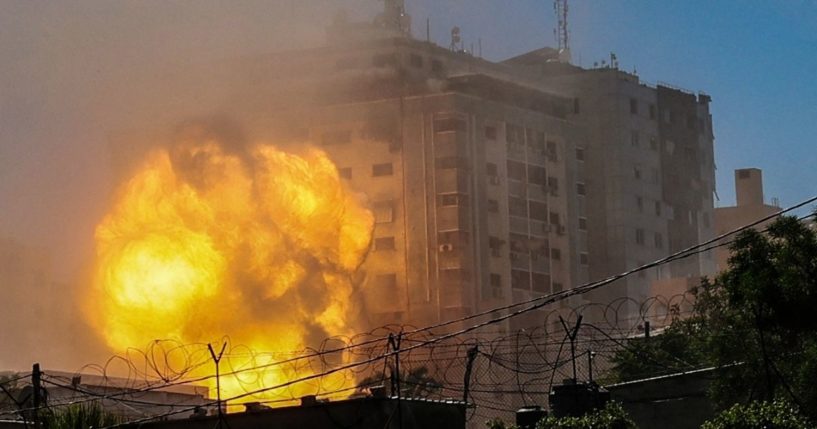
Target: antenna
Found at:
x=561, y=33
x=455, y=38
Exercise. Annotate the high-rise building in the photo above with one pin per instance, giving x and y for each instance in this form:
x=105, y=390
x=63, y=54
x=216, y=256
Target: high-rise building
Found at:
x=493, y=183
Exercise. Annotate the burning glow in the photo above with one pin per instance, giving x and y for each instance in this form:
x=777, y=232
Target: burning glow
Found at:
x=259, y=245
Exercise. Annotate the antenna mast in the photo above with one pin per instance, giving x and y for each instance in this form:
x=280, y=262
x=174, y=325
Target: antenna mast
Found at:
x=561, y=33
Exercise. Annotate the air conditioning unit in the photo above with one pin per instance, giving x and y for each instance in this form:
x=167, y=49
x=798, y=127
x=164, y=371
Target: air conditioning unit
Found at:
x=446, y=247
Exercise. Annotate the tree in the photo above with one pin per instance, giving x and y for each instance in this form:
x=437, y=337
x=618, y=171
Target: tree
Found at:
x=778, y=414
x=79, y=416
x=612, y=416
x=755, y=322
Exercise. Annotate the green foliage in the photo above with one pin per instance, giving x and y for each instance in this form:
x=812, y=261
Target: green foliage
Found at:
x=676, y=349
x=755, y=322
x=760, y=415
x=612, y=416
x=79, y=416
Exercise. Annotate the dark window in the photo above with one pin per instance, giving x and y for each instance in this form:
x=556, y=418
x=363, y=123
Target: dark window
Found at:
x=653, y=143
x=520, y=279
x=580, y=189
x=639, y=236
x=538, y=211
x=453, y=200
x=436, y=66
x=345, y=172
x=639, y=202
x=383, y=243
x=536, y=175
x=514, y=134
x=652, y=111
x=446, y=162
x=491, y=169
x=583, y=258
x=540, y=282
x=554, y=218
x=388, y=281
x=449, y=124
x=490, y=133
x=383, y=211
x=579, y=154
x=553, y=186
x=382, y=170
x=633, y=106
x=493, y=206
x=551, y=150
x=658, y=208
x=516, y=170
x=416, y=61
x=637, y=173
x=495, y=244
x=517, y=207
x=555, y=254
x=454, y=237
x=582, y=224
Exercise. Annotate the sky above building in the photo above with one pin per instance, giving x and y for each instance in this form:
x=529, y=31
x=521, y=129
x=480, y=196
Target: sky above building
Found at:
x=74, y=74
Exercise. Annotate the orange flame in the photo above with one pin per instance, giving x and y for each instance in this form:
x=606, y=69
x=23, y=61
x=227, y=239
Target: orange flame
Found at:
x=260, y=245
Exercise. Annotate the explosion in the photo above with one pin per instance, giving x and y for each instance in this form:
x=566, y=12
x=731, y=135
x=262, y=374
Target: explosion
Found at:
x=257, y=244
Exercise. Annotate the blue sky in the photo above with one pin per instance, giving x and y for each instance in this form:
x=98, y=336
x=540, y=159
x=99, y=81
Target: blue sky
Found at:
x=757, y=59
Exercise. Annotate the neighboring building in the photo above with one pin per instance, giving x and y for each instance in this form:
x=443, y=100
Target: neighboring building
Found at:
x=750, y=207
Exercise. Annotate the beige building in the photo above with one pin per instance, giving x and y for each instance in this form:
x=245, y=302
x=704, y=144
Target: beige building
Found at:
x=750, y=207
x=494, y=182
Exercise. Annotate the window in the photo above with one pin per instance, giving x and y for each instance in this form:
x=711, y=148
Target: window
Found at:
x=520, y=279
x=493, y=206
x=652, y=111
x=453, y=200
x=639, y=203
x=383, y=243
x=582, y=224
x=536, y=175
x=551, y=150
x=496, y=285
x=555, y=254
x=579, y=154
x=517, y=207
x=514, y=134
x=554, y=219
x=447, y=162
x=580, y=189
x=495, y=244
x=637, y=173
x=416, y=61
x=584, y=258
x=639, y=236
x=385, y=281
x=658, y=208
x=383, y=211
x=540, y=282
x=659, y=240
x=634, y=138
x=379, y=170
x=667, y=114
x=553, y=186
x=454, y=237
x=345, y=173
x=490, y=132
x=516, y=170
x=653, y=143
x=491, y=169
x=538, y=210
x=449, y=124
x=633, y=106
x=436, y=66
